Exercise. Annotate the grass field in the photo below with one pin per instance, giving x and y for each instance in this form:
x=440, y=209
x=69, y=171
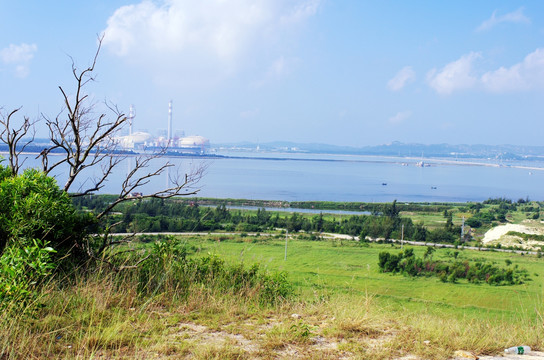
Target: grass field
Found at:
x=343, y=307
x=478, y=317
x=345, y=267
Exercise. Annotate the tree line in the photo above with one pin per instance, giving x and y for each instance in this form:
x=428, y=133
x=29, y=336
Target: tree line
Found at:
x=171, y=215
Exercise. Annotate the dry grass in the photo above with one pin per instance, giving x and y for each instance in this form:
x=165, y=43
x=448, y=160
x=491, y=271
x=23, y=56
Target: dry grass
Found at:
x=103, y=317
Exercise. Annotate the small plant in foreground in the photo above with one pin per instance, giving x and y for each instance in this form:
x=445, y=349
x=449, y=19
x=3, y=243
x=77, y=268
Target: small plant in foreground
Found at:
x=301, y=330
x=21, y=270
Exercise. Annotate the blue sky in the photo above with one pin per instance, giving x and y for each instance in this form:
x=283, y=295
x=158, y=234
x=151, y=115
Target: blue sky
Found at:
x=315, y=71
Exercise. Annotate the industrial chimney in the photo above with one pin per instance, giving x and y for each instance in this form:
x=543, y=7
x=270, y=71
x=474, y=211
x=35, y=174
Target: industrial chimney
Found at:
x=131, y=118
x=169, y=139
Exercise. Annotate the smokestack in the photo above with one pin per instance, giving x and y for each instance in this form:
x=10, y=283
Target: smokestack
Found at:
x=169, y=123
x=130, y=117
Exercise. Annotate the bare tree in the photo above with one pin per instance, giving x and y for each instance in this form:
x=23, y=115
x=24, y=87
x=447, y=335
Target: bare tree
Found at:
x=82, y=138
x=85, y=139
x=14, y=138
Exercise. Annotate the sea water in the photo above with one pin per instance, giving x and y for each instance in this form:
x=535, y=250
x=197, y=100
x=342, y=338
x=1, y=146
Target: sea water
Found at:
x=307, y=177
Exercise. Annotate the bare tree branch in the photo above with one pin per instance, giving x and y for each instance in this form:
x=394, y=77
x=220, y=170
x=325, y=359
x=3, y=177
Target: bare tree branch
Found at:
x=84, y=140
x=84, y=136
x=13, y=136
x=138, y=177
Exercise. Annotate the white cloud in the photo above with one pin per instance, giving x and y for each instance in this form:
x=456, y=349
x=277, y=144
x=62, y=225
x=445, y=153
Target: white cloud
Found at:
x=400, y=117
x=19, y=56
x=456, y=75
x=526, y=75
x=513, y=17
x=403, y=77
x=217, y=28
x=18, y=53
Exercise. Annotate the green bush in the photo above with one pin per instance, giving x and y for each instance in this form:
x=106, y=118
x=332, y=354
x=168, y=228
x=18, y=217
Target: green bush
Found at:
x=410, y=265
x=169, y=270
x=22, y=269
x=33, y=207
x=38, y=227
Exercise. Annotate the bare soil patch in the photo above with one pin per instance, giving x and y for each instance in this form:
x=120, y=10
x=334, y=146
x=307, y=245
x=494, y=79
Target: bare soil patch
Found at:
x=498, y=234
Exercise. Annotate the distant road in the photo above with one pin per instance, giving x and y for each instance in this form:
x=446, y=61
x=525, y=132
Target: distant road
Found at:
x=331, y=236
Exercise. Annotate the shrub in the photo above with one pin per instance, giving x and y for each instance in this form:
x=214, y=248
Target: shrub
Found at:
x=473, y=222
x=22, y=269
x=38, y=227
x=170, y=270
x=33, y=207
x=408, y=264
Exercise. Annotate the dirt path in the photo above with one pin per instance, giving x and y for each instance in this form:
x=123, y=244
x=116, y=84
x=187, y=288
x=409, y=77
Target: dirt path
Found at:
x=251, y=340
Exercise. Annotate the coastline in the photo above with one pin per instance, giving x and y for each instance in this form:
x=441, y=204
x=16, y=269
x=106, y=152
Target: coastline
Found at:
x=403, y=161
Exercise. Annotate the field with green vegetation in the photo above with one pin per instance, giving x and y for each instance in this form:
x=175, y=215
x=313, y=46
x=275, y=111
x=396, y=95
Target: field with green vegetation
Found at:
x=232, y=291
x=347, y=266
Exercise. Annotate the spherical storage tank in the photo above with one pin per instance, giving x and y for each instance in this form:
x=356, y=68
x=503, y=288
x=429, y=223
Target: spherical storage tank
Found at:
x=132, y=141
x=194, y=142
x=139, y=137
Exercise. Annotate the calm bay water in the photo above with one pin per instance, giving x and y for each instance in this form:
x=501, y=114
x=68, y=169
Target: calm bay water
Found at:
x=305, y=177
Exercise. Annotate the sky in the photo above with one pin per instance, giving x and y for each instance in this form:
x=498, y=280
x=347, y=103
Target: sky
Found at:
x=341, y=72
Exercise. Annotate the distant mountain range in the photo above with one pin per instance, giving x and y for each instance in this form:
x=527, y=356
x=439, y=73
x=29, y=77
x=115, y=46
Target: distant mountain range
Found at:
x=396, y=148
x=463, y=151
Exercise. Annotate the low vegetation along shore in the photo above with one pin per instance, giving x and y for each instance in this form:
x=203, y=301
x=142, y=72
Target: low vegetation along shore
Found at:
x=249, y=284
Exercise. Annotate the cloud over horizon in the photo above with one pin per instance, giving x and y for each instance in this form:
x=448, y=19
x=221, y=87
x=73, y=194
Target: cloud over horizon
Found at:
x=516, y=17
x=204, y=35
x=400, y=117
x=460, y=75
x=526, y=75
x=454, y=76
x=401, y=79
x=19, y=56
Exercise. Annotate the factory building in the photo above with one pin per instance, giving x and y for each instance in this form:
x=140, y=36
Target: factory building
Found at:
x=140, y=140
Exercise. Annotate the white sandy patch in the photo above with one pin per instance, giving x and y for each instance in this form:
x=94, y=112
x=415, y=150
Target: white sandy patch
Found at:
x=498, y=233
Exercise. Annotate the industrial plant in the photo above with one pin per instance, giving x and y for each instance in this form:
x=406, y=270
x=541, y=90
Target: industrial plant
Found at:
x=174, y=142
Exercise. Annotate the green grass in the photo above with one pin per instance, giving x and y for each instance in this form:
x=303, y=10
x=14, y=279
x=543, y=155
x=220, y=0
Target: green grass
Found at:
x=343, y=267
x=343, y=300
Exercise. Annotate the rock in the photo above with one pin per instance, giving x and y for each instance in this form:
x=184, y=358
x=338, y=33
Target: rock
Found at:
x=462, y=354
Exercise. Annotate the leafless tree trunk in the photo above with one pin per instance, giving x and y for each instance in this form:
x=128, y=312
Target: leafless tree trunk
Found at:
x=81, y=139
x=87, y=140
x=13, y=136
x=84, y=138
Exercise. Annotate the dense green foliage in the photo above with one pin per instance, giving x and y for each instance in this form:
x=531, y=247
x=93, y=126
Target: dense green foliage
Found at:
x=21, y=270
x=157, y=215
x=33, y=207
x=374, y=208
x=534, y=237
x=407, y=263
x=38, y=226
x=168, y=269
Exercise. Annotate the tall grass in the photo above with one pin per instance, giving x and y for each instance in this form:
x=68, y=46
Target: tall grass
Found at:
x=118, y=313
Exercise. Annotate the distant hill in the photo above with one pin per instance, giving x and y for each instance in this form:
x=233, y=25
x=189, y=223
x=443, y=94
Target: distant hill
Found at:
x=499, y=152
x=396, y=148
